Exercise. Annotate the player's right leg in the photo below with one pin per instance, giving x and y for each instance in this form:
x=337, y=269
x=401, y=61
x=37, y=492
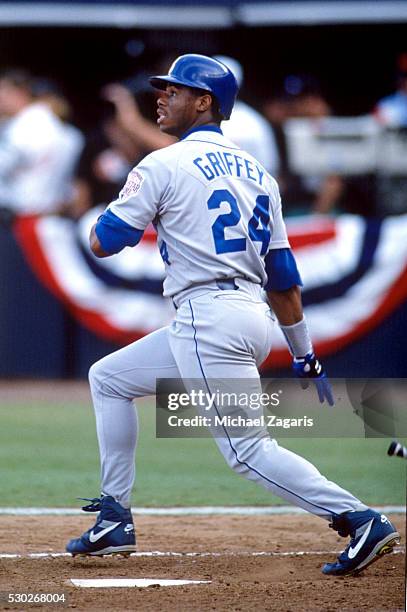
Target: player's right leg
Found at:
x=115, y=381
x=218, y=339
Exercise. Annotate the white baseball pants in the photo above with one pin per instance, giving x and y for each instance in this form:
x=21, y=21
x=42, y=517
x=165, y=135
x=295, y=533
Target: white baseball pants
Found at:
x=215, y=335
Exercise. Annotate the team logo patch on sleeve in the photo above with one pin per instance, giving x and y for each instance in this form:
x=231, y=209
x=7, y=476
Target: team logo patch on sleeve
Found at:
x=134, y=181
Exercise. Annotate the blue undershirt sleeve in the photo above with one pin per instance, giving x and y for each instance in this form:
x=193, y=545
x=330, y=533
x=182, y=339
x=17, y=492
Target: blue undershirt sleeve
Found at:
x=281, y=269
x=115, y=234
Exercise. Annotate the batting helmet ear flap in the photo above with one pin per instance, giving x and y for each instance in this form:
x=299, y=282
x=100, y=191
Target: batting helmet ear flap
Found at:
x=205, y=73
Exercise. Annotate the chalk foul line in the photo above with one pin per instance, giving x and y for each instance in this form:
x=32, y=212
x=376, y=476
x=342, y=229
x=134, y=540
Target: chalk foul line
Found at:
x=157, y=553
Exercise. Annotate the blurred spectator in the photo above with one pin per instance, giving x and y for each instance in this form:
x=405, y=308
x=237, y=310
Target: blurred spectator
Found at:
x=276, y=110
x=46, y=91
x=301, y=98
x=325, y=191
x=331, y=193
x=144, y=133
x=122, y=139
x=392, y=110
x=310, y=105
x=36, y=165
x=248, y=128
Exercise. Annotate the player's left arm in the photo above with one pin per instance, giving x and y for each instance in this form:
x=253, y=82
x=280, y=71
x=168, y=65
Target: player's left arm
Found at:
x=284, y=295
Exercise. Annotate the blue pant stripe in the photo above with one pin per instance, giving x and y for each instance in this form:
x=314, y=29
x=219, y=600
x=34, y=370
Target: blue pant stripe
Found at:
x=329, y=512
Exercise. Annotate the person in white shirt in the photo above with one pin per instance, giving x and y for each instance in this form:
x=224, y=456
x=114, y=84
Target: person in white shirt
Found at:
x=248, y=128
x=391, y=111
x=36, y=159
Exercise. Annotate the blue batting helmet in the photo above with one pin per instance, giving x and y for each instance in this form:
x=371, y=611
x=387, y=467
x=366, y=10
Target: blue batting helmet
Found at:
x=202, y=72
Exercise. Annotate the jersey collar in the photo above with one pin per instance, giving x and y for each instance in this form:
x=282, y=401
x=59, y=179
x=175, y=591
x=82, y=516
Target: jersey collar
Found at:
x=202, y=128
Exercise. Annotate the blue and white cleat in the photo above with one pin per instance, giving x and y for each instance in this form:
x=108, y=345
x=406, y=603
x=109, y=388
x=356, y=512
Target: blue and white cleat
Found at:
x=372, y=536
x=113, y=532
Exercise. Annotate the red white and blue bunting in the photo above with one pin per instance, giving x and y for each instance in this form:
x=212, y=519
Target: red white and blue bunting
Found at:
x=354, y=273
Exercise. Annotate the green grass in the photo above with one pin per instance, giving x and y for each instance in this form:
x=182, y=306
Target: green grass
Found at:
x=49, y=456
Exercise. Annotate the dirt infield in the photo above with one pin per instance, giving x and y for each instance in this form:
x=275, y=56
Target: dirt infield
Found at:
x=239, y=579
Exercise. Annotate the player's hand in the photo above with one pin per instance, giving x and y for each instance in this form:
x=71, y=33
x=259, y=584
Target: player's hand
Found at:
x=309, y=368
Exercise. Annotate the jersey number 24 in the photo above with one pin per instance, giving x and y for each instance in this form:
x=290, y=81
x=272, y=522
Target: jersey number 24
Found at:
x=258, y=226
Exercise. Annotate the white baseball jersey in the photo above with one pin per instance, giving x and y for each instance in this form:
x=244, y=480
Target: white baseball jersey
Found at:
x=216, y=210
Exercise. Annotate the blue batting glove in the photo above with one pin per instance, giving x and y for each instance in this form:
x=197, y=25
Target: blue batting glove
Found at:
x=309, y=368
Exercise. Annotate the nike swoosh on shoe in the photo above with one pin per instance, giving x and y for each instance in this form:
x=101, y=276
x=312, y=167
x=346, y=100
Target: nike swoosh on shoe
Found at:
x=354, y=551
x=94, y=537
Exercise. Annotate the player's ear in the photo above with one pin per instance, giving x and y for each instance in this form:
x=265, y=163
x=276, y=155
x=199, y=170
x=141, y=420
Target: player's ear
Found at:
x=204, y=102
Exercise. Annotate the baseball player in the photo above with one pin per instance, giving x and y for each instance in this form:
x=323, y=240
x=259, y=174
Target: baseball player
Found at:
x=221, y=235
